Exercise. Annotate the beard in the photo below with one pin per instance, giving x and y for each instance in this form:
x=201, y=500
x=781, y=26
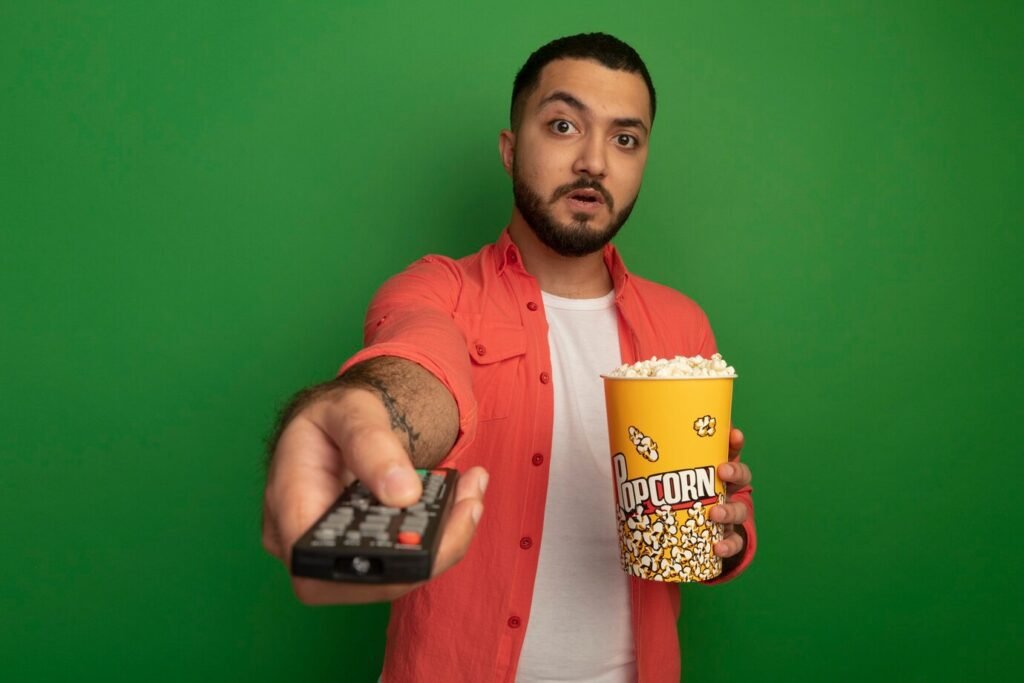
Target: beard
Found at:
x=577, y=238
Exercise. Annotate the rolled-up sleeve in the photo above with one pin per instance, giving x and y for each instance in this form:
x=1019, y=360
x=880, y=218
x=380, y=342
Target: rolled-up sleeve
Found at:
x=412, y=317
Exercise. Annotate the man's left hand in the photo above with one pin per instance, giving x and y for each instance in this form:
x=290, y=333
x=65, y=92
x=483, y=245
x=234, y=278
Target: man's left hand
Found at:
x=735, y=475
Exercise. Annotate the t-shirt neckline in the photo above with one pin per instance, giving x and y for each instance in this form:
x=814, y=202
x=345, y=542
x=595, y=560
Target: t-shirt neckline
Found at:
x=596, y=304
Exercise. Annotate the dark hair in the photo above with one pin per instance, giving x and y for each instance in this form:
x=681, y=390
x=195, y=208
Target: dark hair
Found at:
x=601, y=47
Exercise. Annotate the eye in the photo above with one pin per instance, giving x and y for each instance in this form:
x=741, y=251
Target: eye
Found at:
x=628, y=141
x=562, y=127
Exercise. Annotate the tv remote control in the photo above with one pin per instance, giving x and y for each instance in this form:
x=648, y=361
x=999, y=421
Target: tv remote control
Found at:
x=360, y=540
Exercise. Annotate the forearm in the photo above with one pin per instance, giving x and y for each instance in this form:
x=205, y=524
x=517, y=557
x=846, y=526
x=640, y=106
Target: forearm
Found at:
x=420, y=409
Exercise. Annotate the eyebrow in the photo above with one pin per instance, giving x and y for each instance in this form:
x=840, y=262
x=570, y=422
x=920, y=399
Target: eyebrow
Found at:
x=575, y=103
x=629, y=123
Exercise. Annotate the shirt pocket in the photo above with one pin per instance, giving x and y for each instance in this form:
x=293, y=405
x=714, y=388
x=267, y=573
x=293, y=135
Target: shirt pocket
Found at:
x=497, y=353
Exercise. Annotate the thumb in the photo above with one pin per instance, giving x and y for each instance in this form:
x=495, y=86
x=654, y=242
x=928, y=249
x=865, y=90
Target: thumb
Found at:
x=462, y=520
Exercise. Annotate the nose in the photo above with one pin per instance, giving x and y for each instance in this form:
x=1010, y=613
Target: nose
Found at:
x=591, y=160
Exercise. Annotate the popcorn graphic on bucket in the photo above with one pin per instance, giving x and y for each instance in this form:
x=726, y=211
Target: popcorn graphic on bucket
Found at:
x=666, y=447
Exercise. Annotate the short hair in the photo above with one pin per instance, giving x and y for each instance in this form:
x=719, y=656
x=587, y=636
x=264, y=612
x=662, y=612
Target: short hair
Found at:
x=601, y=47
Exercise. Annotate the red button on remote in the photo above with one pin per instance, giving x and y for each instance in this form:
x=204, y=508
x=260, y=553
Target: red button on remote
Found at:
x=409, y=537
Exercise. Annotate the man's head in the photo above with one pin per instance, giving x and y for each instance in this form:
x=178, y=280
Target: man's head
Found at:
x=581, y=115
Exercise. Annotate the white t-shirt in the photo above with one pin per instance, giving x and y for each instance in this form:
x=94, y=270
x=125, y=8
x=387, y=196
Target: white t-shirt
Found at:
x=579, y=627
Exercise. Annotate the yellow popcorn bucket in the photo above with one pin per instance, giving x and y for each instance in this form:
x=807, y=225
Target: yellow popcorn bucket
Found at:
x=668, y=436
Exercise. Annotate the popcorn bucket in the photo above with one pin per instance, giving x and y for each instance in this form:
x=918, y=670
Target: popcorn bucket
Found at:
x=668, y=437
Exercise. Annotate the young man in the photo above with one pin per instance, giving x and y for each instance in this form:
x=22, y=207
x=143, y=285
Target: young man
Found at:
x=490, y=364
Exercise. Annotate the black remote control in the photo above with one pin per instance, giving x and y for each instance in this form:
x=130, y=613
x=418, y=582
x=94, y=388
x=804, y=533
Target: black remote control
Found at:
x=360, y=540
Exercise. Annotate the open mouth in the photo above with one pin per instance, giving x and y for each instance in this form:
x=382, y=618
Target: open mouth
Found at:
x=591, y=197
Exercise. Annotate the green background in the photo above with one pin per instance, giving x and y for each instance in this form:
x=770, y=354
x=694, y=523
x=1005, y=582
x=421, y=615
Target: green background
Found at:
x=198, y=199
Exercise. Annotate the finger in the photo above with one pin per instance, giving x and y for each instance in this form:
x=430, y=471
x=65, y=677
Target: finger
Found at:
x=735, y=473
x=359, y=424
x=735, y=443
x=729, y=513
x=462, y=521
x=472, y=484
x=730, y=545
x=378, y=459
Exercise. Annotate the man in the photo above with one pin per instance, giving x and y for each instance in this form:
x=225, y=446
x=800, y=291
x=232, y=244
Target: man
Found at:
x=490, y=364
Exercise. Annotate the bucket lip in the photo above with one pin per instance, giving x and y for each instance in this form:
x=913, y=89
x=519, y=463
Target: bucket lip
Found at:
x=666, y=379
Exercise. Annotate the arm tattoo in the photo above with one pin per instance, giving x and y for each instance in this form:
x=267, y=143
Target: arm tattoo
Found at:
x=399, y=421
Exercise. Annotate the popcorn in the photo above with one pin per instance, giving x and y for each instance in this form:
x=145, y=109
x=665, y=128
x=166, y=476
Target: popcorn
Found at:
x=680, y=367
x=705, y=426
x=645, y=446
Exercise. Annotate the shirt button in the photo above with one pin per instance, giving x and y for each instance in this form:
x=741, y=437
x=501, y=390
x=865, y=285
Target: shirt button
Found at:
x=537, y=459
x=481, y=350
x=532, y=305
x=545, y=378
x=514, y=622
x=525, y=542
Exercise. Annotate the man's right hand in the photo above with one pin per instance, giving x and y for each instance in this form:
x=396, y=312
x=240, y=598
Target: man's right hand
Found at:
x=343, y=436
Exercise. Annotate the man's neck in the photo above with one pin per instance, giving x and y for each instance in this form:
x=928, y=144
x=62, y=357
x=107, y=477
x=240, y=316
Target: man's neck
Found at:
x=572, y=277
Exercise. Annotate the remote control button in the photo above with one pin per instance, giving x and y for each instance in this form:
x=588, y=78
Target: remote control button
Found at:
x=325, y=534
x=383, y=510
x=421, y=518
x=409, y=537
x=383, y=538
x=371, y=528
x=336, y=527
x=417, y=507
x=377, y=519
x=353, y=537
x=339, y=519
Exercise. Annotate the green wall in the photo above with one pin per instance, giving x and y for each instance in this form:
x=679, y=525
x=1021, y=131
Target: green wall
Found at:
x=198, y=199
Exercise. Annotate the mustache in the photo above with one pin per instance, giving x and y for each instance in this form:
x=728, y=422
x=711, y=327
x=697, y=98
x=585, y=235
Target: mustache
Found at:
x=583, y=184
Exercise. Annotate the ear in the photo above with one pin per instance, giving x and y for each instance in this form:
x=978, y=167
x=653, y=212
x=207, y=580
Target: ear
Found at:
x=507, y=148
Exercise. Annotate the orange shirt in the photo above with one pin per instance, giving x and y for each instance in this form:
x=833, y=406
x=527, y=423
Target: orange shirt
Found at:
x=478, y=324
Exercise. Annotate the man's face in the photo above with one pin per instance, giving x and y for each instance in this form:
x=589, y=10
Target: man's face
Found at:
x=579, y=154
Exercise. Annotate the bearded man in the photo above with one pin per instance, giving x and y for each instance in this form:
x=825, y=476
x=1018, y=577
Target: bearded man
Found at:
x=490, y=364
